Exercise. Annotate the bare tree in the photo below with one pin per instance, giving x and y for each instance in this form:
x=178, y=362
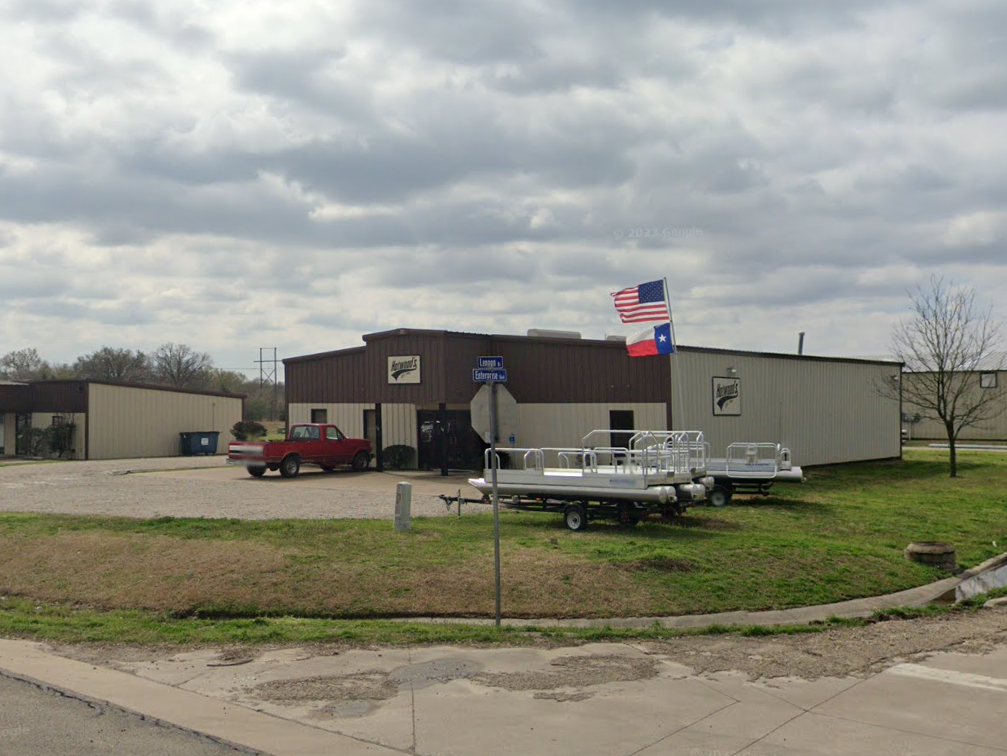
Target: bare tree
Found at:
x=24, y=365
x=181, y=366
x=945, y=343
x=112, y=364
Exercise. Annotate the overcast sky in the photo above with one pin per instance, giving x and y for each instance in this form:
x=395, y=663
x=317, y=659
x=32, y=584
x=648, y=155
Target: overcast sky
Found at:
x=294, y=173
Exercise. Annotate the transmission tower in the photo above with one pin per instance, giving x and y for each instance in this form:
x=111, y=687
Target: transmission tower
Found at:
x=267, y=373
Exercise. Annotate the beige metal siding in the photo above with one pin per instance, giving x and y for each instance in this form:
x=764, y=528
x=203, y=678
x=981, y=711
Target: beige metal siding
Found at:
x=128, y=422
x=552, y=425
x=9, y=439
x=992, y=430
x=398, y=424
x=824, y=411
x=398, y=421
x=349, y=417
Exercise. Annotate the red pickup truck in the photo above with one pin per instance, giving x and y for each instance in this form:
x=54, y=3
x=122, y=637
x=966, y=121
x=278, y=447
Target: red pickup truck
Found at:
x=310, y=443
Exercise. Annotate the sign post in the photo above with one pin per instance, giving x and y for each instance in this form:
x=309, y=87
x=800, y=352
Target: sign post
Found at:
x=491, y=371
x=496, y=495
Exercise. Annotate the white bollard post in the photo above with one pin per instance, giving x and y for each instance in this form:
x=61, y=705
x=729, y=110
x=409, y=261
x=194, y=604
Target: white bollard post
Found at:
x=403, y=504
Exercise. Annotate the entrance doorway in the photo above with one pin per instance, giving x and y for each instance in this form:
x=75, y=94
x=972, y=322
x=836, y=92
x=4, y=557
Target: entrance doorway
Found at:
x=451, y=436
x=620, y=420
x=22, y=422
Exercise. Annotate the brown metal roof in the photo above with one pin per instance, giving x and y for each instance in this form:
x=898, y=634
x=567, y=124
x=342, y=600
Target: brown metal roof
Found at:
x=71, y=395
x=541, y=369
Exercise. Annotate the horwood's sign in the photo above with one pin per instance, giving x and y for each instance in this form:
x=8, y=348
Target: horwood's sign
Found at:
x=404, y=369
x=726, y=396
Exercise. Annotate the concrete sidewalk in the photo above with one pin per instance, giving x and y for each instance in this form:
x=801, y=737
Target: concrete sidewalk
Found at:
x=595, y=700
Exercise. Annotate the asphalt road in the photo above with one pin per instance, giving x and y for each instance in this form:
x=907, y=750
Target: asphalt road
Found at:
x=39, y=722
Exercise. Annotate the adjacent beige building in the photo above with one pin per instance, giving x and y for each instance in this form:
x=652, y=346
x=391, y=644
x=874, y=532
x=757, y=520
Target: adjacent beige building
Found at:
x=116, y=421
x=992, y=383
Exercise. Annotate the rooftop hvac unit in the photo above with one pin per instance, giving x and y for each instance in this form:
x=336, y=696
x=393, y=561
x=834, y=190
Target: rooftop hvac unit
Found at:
x=615, y=337
x=544, y=334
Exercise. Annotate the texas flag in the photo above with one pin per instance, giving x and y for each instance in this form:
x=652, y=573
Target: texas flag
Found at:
x=655, y=340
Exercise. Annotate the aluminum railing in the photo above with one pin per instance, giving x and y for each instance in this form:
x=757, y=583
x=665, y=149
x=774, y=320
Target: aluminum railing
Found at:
x=748, y=459
x=648, y=453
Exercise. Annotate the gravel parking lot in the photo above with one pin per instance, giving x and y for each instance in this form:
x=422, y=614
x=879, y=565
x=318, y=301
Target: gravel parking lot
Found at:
x=208, y=487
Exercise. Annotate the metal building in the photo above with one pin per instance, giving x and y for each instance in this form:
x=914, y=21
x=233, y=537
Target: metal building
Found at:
x=413, y=387
x=115, y=420
x=988, y=379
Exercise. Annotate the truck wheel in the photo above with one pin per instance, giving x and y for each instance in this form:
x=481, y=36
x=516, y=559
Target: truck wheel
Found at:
x=256, y=472
x=290, y=466
x=361, y=461
x=719, y=496
x=575, y=517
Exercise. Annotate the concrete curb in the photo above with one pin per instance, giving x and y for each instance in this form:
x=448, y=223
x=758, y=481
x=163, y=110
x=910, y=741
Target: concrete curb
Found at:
x=982, y=578
x=943, y=591
x=218, y=720
x=864, y=607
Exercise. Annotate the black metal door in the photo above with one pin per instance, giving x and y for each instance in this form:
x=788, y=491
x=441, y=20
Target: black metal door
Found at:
x=620, y=420
x=22, y=421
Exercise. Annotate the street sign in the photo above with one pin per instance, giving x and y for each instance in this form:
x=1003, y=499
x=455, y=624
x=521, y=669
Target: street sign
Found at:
x=507, y=414
x=498, y=375
x=487, y=422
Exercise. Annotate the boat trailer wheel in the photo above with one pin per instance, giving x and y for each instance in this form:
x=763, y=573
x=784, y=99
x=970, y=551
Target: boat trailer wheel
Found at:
x=720, y=496
x=575, y=517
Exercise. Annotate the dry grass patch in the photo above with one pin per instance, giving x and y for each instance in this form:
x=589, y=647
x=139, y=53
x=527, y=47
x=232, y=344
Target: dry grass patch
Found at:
x=187, y=577
x=153, y=572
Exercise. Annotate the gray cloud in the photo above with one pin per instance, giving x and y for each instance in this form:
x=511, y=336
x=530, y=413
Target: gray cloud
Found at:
x=492, y=164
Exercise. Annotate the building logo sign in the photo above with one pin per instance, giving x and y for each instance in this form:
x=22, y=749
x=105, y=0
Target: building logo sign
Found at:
x=404, y=369
x=726, y=396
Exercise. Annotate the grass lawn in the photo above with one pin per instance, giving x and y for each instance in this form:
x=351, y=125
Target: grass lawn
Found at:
x=839, y=536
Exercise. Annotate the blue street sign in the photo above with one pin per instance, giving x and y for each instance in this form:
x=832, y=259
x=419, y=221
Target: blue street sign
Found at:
x=482, y=376
x=489, y=362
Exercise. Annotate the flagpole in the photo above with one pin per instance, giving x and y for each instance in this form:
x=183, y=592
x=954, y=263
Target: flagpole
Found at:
x=673, y=367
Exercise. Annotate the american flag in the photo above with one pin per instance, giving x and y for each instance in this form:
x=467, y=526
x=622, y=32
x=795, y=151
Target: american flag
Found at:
x=643, y=303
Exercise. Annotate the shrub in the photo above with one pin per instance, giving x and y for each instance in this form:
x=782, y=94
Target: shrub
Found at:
x=32, y=442
x=399, y=456
x=59, y=438
x=243, y=430
x=51, y=441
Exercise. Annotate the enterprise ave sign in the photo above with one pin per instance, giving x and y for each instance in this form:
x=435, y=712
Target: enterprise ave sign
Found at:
x=498, y=375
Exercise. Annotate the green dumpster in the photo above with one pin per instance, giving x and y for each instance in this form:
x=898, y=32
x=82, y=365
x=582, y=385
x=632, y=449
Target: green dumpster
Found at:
x=198, y=442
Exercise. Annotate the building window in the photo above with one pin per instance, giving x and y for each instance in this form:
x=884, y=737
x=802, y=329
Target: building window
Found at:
x=319, y=416
x=987, y=380
x=57, y=420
